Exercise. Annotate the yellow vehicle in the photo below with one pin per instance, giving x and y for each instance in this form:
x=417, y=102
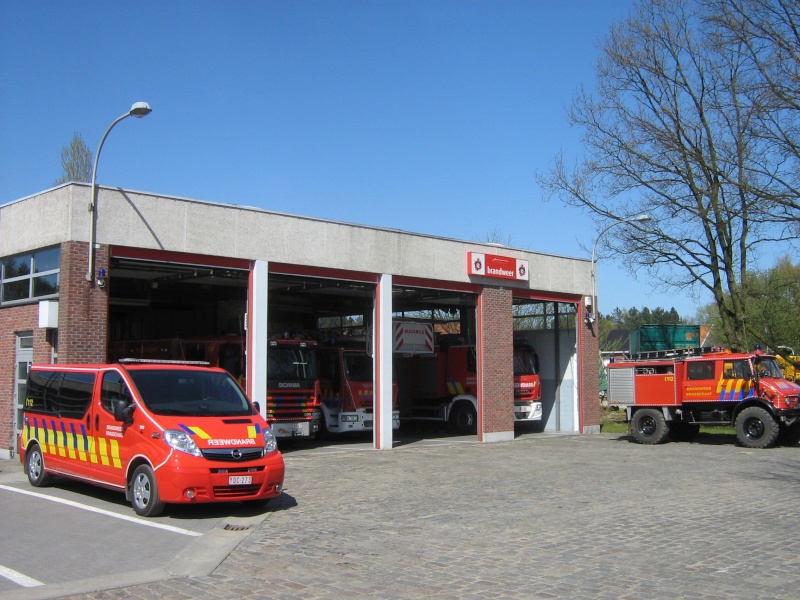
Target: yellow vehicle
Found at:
x=790, y=365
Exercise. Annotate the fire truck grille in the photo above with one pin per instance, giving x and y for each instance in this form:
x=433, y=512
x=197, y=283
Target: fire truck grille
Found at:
x=233, y=454
x=235, y=491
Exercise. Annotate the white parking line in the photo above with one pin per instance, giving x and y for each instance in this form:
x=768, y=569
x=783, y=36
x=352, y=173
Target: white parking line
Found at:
x=18, y=577
x=107, y=513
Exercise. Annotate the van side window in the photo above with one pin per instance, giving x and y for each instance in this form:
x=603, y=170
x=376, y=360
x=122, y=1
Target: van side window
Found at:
x=114, y=388
x=700, y=370
x=75, y=394
x=42, y=394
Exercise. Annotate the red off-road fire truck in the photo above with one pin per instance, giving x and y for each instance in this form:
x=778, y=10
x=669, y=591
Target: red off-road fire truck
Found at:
x=668, y=394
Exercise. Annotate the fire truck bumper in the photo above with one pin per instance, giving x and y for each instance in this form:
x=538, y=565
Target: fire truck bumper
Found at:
x=292, y=429
x=527, y=411
x=362, y=420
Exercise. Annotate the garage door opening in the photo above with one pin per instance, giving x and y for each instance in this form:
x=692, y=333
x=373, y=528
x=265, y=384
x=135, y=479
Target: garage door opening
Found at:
x=550, y=327
x=178, y=307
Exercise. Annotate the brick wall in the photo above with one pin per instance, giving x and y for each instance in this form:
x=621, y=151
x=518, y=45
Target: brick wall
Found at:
x=497, y=356
x=14, y=320
x=83, y=310
x=589, y=357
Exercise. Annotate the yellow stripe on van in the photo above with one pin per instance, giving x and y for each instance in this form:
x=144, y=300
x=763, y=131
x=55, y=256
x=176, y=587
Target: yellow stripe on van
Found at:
x=103, y=447
x=199, y=432
x=251, y=431
x=115, y=454
x=92, y=450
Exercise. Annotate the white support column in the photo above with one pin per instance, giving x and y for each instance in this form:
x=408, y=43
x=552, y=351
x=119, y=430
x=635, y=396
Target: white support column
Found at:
x=382, y=343
x=257, y=335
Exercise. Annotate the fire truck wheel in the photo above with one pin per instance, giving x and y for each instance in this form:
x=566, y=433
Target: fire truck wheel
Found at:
x=755, y=428
x=464, y=420
x=34, y=467
x=683, y=432
x=648, y=426
x=144, y=492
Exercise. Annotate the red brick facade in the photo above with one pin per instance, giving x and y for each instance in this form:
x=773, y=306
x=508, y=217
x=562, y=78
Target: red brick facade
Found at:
x=497, y=361
x=82, y=328
x=589, y=384
x=83, y=307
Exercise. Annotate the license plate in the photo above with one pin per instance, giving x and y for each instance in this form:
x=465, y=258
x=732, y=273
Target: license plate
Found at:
x=240, y=480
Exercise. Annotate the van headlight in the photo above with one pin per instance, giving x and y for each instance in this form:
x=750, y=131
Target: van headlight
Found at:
x=270, y=441
x=181, y=441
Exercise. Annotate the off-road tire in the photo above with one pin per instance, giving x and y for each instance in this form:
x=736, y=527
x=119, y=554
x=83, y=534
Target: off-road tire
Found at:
x=756, y=428
x=648, y=426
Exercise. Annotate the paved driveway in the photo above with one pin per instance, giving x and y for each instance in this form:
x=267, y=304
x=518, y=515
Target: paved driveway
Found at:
x=541, y=517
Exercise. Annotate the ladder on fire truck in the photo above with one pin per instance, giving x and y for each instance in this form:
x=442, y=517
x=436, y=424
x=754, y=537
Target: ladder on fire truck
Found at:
x=675, y=353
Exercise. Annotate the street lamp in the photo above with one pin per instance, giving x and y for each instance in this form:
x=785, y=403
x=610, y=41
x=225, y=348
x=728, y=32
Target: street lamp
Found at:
x=643, y=218
x=138, y=110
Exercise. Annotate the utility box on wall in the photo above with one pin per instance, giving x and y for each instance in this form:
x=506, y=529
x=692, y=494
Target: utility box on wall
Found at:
x=48, y=314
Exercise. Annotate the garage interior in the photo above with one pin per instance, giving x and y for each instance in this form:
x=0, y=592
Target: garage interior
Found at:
x=158, y=300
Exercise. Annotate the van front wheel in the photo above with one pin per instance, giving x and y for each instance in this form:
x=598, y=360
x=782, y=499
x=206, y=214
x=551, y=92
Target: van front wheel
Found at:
x=144, y=492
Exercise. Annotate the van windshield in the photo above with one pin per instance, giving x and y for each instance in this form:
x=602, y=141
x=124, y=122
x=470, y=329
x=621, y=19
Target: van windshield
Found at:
x=190, y=393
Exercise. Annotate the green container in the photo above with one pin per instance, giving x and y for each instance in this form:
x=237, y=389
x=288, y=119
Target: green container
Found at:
x=647, y=338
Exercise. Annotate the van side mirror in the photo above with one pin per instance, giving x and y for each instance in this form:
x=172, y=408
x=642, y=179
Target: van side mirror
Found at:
x=123, y=411
x=257, y=406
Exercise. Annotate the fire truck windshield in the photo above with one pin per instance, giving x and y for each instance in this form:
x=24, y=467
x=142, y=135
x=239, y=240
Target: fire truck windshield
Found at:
x=190, y=393
x=524, y=362
x=768, y=367
x=291, y=363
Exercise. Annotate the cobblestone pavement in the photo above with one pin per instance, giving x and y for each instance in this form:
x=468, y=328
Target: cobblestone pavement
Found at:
x=541, y=517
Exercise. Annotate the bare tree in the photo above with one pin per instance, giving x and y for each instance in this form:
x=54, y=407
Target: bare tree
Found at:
x=76, y=161
x=673, y=130
x=767, y=33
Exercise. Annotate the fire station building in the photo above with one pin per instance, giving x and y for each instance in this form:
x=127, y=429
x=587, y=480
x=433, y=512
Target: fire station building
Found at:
x=164, y=267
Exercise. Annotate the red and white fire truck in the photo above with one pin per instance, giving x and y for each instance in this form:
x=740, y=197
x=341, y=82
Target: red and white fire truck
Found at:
x=668, y=394
x=443, y=383
x=347, y=389
x=293, y=392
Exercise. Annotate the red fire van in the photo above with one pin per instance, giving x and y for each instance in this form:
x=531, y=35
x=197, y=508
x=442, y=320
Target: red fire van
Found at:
x=160, y=431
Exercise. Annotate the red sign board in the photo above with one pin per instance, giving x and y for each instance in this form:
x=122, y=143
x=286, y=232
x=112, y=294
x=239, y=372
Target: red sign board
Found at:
x=492, y=265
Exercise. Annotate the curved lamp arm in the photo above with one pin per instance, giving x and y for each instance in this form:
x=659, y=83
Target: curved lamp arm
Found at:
x=138, y=110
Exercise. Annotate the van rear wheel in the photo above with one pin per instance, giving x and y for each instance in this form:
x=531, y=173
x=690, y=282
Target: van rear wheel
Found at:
x=144, y=492
x=34, y=466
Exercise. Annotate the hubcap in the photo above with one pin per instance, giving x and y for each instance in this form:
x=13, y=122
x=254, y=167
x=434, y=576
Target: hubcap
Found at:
x=35, y=465
x=754, y=429
x=141, y=491
x=647, y=426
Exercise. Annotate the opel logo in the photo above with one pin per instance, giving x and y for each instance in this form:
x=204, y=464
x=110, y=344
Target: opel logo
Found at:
x=236, y=454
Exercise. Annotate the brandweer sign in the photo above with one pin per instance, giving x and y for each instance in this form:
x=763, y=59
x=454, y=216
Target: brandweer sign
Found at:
x=501, y=267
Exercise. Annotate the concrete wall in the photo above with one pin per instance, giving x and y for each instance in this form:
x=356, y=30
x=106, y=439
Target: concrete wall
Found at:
x=164, y=223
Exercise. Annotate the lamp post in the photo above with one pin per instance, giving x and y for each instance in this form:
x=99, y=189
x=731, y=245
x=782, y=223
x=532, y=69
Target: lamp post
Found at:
x=138, y=110
x=643, y=218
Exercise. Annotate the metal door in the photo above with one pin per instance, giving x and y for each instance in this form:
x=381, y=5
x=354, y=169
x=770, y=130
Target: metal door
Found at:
x=24, y=358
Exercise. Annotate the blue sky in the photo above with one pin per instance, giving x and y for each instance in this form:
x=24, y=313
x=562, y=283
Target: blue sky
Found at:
x=427, y=116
